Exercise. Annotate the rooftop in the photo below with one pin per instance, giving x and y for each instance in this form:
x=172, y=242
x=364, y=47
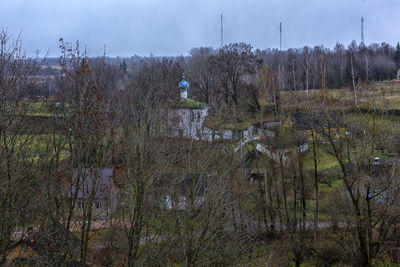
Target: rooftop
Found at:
x=307, y=121
x=101, y=178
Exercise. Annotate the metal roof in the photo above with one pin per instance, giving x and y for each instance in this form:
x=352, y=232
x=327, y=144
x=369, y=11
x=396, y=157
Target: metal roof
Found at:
x=102, y=179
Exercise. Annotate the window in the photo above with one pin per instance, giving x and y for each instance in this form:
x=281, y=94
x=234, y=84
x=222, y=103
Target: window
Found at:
x=191, y=116
x=98, y=205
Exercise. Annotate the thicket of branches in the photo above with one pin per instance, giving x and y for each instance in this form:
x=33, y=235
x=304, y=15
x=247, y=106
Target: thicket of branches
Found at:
x=218, y=214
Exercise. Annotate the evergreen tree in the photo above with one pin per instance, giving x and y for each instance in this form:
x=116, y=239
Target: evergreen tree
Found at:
x=397, y=55
x=123, y=67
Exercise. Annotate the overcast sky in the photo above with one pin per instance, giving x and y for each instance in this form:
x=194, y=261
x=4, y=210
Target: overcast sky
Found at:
x=172, y=27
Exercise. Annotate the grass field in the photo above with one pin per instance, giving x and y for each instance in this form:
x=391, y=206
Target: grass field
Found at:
x=384, y=95
x=325, y=159
x=37, y=146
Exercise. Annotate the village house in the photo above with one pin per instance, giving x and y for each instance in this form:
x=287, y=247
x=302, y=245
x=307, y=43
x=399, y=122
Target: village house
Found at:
x=307, y=125
x=267, y=128
x=220, y=129
x=46, y=245
x=174, y=190
x=100, y=184
x=254, y=162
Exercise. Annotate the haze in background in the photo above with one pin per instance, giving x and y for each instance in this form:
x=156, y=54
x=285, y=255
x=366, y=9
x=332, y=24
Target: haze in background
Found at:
x=173, y=27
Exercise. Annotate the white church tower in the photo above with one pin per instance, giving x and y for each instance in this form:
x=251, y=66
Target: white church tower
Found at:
x=186, y=116
x=184, y=86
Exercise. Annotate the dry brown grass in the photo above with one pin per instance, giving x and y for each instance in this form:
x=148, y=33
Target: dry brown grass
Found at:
x=382, y=95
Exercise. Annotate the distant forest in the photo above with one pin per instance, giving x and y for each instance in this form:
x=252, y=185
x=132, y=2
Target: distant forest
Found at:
x=236, y=75
x=299, y=68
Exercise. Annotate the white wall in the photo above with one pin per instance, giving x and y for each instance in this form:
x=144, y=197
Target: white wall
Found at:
x=187, y=122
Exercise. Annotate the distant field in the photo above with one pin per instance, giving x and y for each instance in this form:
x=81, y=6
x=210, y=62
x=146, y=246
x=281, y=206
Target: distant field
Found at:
x=39, y=146
x=40, y=108
x=383, y=95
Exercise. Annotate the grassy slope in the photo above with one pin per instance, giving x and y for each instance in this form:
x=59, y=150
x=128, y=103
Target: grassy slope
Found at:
x=325, y=159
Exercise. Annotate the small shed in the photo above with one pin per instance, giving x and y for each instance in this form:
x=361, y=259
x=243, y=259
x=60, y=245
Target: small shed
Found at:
x=51, y=245
x=219, y=128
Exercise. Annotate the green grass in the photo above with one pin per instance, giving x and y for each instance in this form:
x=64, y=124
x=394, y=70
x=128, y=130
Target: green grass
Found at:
x=188, y=103
x=325, y=160
x=39, y=108
x=37, y=146
x=42, y=108
x=218, y=123
x=326, y=189
x=194, y=103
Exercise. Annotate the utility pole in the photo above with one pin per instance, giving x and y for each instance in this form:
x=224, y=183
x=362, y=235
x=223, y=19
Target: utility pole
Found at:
x=222, y=32
x=280, y=36
x=280, y=65
x=366, y=59
x=362, y=30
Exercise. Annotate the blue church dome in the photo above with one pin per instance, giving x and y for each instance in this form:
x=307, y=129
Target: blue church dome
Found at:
x=183, y=84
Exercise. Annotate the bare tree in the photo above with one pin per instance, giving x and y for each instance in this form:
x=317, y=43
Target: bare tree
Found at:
x=292, y=61
x=18, y=171
x=353, y=71
x=146, y=157
x=365, y=54
x=269, y=86
x=371, y=213
x=306, y=64
x=340, y=63
x=83, y=115
x=234, y=64
x=204, y=82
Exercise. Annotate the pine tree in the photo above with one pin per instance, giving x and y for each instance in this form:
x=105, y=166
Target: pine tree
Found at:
x=397, y=55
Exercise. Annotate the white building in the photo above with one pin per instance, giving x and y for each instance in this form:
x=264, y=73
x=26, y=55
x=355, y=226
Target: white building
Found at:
x=186, y=119
x=216, y=129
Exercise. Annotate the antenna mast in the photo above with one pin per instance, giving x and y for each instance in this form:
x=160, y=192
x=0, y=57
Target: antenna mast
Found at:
x=222, y=32
x=362, y=30
x=280, y=36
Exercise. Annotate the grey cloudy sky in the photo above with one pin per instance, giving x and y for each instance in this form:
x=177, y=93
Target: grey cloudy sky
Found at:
x=172, y=27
